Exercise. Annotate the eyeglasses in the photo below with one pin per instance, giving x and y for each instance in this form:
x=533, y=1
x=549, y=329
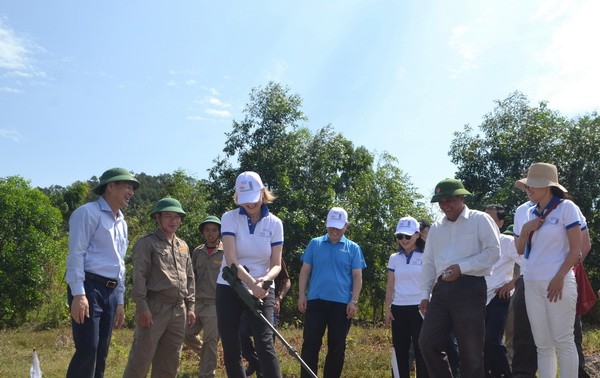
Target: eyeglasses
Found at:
x=402, y=236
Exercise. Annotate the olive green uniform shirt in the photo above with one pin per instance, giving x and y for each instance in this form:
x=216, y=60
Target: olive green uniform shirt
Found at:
x=206, y=269
x=162, y=272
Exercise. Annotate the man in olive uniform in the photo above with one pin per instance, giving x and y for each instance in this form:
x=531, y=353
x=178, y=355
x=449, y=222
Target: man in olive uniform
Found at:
x=163, y=290
x=206, y=260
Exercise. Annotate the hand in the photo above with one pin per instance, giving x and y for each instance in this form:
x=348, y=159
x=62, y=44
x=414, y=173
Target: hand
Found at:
x=453, y=272
x=388, y=317
x=80, y=309
x=532, y=225
x=191, y=318
x=277, y=306
x=145, y=319
x=423, y=306
x=258, y=291
x=302, y=304
x=555, y=288
x=504, y=291
x=351, y=309
x=119, y=317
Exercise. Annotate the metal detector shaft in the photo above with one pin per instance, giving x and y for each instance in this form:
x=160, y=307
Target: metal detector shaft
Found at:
x=292, y=351
x=255, y=304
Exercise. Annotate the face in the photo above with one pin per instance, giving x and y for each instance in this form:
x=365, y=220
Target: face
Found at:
x=211, y=233
x=253, y=209
x=335, y=234
x=424, y=233
x=407, y=242
x=119, y=193
x=536, y=194
x=494, y=214
x=168, y=222
x=452, y=206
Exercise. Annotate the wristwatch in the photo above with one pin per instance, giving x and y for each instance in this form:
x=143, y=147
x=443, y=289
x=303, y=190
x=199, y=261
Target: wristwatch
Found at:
x=355, y=303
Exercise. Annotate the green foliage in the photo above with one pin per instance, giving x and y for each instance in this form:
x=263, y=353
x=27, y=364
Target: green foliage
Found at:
x=29, y=248
x=310, y=173
x=515, y=135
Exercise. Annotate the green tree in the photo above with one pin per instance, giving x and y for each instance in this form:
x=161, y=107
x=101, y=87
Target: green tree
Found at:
x=29, y=249
x=517, y=134
x=310, y=173
x=514, y=136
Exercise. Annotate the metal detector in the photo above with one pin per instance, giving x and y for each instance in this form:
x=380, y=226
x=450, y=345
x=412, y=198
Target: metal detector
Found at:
x=255, y=305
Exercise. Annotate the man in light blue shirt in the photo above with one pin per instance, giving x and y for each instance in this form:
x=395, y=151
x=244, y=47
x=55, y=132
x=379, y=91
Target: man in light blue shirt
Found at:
x=96, y=271
x=329, y=286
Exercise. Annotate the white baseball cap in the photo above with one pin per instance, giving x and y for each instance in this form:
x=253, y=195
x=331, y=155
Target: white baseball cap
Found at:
x=407, y=226
x=337, y=218
x=247, y=187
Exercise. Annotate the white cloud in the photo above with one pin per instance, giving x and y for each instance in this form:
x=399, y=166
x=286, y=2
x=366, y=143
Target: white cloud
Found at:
x=569, y=61
x=191, y=82
x=213, y=91
x=10, y=90
x=218, y=113
x=463, y=40
x=13, y=50
x=217, y=102
x=172, y=83
x=17, y=59
x=10, y=134
x=277, y=71
x=194, y=118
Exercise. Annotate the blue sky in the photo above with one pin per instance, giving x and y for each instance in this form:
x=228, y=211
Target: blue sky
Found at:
x=153, y=86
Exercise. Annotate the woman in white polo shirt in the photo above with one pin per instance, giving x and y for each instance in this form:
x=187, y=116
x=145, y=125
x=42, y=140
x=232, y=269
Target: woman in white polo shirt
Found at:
x=403, y=295
x=252, y=241
x=550, y=238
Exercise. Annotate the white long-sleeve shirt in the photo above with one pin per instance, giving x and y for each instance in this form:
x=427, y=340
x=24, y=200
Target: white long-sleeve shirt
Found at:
x=472, y=242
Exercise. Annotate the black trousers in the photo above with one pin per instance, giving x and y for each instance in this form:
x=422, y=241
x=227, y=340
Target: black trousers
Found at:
x=457, y=306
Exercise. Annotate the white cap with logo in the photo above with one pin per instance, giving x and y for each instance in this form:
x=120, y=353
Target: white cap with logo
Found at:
x=337, y=218
x=247, y=187
x=407, y=226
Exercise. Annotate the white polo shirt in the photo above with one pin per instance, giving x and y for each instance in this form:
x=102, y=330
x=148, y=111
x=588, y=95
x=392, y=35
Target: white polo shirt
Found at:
x=253, y=242
x=550, y=243
x=407, y=277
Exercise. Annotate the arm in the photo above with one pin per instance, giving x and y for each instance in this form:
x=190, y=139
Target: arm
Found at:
x=556, y=284
x=191, y=291
x=80, y=234
x=586, y=243
x=274, y=264
x=142, y=262
x=356, y=288
x=389, y=297
x=305, y=272
x=285, y=284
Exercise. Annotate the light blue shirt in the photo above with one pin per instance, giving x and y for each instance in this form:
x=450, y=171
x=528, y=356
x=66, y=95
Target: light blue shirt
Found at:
x=331, y=268
x=97, y=244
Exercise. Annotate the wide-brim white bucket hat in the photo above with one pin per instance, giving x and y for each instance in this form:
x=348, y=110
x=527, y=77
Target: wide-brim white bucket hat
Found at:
x=540, y=175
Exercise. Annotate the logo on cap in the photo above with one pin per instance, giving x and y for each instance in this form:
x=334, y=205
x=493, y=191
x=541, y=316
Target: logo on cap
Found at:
x=245, y=186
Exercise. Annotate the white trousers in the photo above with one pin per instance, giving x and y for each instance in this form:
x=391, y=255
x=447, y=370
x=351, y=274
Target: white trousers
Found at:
x=552, y=327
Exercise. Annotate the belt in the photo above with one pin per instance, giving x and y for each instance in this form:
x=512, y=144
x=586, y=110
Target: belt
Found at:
x=103, y=280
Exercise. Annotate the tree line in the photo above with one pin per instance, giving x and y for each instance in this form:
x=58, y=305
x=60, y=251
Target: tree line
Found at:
x=309, y=171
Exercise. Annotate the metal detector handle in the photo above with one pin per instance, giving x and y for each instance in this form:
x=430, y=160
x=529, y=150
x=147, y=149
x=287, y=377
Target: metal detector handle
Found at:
x=266, y=285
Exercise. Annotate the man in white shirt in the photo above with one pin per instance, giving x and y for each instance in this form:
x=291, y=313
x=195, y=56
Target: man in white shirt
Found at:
x=460, y=252
x=500, y=286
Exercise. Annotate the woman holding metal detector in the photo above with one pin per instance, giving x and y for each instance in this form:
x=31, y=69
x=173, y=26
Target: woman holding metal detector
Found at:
x=252, y=243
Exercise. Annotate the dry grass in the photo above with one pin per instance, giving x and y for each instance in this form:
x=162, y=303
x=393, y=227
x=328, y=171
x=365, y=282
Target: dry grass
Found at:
x=368, y=353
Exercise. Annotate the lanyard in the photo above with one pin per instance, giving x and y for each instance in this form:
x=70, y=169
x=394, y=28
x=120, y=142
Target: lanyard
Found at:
x=545, y=213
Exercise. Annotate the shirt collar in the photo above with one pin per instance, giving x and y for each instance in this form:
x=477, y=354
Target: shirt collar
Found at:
x=550, y=204
x=104, y=206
